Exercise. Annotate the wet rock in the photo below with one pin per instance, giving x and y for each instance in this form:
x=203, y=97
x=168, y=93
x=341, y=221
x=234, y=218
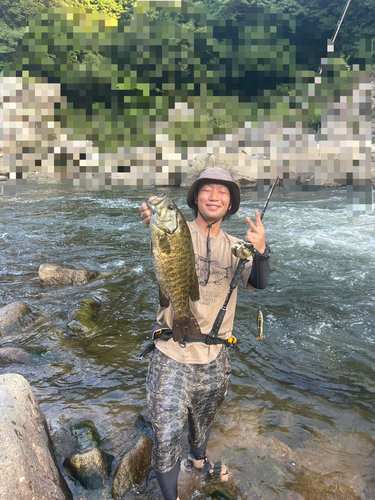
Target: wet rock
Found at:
x=86, y=433
x=86, y=315
x=91, y=467
x=15, y=316
x=133, y=468
x=223, y=491
x=10, y=355
x=58, y=275
x=143, y=423
x=28, y=468
x=77, y=327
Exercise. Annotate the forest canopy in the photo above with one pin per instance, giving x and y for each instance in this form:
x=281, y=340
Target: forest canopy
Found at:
x=123, y=71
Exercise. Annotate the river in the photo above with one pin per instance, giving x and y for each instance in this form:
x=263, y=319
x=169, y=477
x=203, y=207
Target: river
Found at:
x=299, y=418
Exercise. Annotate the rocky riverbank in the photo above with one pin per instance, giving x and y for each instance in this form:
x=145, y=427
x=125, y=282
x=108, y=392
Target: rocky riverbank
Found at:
x=260, y=152
x=27, y=461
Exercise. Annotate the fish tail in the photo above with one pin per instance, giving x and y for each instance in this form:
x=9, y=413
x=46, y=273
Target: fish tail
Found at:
x=185, y=326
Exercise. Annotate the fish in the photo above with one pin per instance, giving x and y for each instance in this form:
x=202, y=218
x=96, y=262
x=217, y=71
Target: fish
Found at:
x=260, y=325
x=174, y=262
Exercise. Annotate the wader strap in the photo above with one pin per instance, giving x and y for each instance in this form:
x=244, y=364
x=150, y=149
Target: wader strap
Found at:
x=163, y=333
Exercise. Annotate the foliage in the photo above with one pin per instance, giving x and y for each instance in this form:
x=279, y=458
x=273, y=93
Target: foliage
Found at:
x=316, y=21
x=9, y=39
x=181, y=73
x=16, y=14
x=314, y=121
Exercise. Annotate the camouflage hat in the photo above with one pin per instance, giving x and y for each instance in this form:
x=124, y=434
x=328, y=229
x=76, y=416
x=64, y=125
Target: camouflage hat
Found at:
x=216, y=176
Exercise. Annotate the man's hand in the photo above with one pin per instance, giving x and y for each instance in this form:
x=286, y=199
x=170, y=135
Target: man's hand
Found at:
x=256, y=234
x=146, y=212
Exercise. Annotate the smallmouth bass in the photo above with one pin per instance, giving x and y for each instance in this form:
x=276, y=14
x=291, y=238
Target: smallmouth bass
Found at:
x=174, y=263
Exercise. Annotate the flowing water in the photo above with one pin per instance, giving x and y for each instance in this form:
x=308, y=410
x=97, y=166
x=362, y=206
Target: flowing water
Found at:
x=298, y=420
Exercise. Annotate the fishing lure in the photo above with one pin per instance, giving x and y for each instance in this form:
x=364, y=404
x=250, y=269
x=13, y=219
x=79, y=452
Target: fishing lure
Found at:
x=260, y=325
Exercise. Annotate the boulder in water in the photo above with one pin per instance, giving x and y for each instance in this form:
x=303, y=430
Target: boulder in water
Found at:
x=58, y=275
x=28, y=469
x=91, y=467
x=10, y=355
x=85, y=316
x=331, y=184
x=133, y=468
x=77, y=327
x=86, y=433
x=15, y=316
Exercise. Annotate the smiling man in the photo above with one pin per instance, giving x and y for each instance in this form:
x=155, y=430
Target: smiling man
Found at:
x=190, y=379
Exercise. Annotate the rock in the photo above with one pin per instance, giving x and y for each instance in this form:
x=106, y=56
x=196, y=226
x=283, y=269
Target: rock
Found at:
x=243, y=180
x=40, y=178
x=201, y=162
x=91, y=467
x=15, y=316
x=133, y=467
x=87, y=312
x=331, y=184
x=143, y=423
x=28, y=469
x=77, y=327
x=9, y=355
x=58, y=275
x=301, y=177
x=86, y=433
x=222, y=491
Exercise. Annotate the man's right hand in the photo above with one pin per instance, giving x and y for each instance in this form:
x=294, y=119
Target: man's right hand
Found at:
x=146, y=212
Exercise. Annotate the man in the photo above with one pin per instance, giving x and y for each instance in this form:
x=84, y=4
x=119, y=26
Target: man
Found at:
x=191, y=380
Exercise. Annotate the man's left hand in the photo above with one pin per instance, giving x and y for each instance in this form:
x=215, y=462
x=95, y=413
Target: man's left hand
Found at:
x=256, y=234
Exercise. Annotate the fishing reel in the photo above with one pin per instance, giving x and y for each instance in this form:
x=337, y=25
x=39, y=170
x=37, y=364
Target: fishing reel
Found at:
x=243, y=250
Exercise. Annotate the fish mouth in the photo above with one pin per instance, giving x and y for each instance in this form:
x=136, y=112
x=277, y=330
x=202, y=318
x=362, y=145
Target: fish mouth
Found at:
x=152, y=205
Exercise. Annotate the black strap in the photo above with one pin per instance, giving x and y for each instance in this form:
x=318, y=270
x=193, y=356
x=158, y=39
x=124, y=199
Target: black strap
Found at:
x=160, y=333
x=148, y=349
x=206, y=339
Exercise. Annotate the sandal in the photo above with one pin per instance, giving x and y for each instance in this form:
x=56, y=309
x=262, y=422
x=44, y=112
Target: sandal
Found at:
x=208, y=468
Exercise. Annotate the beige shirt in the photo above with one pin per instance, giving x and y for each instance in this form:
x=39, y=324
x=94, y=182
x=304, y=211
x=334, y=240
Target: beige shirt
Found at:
x=212, y=297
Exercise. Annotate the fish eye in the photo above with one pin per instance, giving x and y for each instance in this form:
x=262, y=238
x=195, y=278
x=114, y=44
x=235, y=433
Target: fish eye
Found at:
x=170, y=206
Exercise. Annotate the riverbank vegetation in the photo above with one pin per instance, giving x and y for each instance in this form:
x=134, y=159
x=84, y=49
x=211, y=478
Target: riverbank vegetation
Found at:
x=129, y=72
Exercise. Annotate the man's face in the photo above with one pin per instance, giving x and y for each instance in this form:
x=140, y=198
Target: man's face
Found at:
x=213, y=201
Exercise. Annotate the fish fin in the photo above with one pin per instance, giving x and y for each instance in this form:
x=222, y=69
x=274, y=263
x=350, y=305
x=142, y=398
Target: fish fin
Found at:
x=164, y=244
x=185, y=326
x=163, y=299
x=194, y=294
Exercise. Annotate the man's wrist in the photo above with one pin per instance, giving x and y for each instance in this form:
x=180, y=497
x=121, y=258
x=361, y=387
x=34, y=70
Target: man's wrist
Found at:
x=263, y=256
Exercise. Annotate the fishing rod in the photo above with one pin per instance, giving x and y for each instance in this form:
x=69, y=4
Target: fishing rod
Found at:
x=340, y=21
x=337, y=29
x=242, y=251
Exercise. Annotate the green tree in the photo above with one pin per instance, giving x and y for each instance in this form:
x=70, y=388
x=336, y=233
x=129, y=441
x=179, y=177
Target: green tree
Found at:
x=9, y=39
